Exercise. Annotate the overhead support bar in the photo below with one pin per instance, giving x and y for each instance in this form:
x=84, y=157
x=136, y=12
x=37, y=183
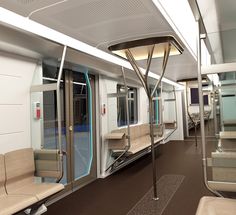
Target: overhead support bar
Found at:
x=218, y=68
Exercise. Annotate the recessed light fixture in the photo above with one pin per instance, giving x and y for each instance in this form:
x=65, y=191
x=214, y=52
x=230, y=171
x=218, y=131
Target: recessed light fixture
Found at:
x=140, y=48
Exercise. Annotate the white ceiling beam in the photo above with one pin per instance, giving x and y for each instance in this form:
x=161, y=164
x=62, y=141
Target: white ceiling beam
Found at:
x=219, y=68
x=14, y=20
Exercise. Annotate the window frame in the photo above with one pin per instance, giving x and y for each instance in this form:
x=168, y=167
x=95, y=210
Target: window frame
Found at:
x=134, y=99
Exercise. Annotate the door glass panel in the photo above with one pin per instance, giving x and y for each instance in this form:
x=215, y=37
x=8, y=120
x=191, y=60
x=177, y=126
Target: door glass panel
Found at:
x=50, y=126
x=83, y=151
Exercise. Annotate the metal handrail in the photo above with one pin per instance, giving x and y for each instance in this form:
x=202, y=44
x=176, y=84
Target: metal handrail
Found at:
x=189, y=115
x=176, y=117
x=201, y=109
x=128, y=122
x=58, y=95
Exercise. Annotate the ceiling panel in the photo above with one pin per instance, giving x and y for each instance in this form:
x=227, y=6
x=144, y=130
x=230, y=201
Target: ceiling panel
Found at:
x=221, y=28
x=25, y=7
x=79, y=15
x=102, y=23
x=178, y=66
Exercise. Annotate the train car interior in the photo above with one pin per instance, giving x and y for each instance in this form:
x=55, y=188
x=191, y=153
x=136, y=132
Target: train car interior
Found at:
x=117, y=107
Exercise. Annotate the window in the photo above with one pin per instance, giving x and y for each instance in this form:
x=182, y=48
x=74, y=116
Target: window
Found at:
x=121, y=106
x=195, y=97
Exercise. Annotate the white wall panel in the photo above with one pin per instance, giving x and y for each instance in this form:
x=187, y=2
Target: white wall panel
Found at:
x=14, y=141
x=6, y=83
x=13, y=119
x=15, y=80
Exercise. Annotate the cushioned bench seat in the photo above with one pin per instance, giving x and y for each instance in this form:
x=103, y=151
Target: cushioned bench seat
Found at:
x=139, y=139
x=18, y=191
x=20, y=170
x=228, y=135
x=10, y=204
x=139, y=145
x=229, y=122
x=216, y=206
x=40, y=190
x=170, y=124
x=227, y=141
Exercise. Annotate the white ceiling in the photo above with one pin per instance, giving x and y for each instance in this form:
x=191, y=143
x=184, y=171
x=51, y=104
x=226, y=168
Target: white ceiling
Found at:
x=101, y=23
x=220, y=22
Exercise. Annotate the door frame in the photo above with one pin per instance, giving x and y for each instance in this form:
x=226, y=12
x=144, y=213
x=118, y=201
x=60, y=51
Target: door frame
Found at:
x=72, y=184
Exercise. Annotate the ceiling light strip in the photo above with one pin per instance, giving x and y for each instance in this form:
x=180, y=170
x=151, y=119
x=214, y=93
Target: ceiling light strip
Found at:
x=23, y=23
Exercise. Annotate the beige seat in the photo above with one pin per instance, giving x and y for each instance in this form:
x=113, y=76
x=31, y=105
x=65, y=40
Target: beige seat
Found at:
x=10, y=204
x=20, y=170
x=139, y=139
x=170, y=124
x=216, y=206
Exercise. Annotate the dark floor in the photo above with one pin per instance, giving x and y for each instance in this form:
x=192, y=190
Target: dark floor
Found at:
x=209, y=129
x=118, y=193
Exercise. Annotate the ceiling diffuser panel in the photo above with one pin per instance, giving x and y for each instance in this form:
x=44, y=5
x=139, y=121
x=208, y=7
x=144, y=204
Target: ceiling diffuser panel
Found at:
x=178, y=67
x=26, y=7
x=102, y=23
x=123, y=29
x=95, y=12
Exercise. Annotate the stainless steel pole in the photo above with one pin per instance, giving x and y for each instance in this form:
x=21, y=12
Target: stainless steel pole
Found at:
x=59, y=110
x=154, y=172
x=201, y=109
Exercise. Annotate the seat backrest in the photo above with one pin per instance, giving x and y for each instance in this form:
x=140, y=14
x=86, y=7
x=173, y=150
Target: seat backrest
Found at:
x=144, y=129
x=2, y=176
x=19, y=169
x=47, y=163
x=136, y=131
x=223, y=166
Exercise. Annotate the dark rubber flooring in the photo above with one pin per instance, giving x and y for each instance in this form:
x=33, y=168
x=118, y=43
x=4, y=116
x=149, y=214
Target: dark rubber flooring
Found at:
x=118, y=193
x=167, y=185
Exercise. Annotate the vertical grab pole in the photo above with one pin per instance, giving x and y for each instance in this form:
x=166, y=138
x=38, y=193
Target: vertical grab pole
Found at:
x=127, y=106
x=154, y=174
x=59, y=109
x=214, y=111
x=144, y=81
x=162, y=113
x=201, y=110
x=90, y=119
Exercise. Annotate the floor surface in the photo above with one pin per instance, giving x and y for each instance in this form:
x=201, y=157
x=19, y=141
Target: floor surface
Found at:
x=118, y=193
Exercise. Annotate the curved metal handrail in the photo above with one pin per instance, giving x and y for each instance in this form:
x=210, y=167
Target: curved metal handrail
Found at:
x=128, y=123
x=176, y=117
